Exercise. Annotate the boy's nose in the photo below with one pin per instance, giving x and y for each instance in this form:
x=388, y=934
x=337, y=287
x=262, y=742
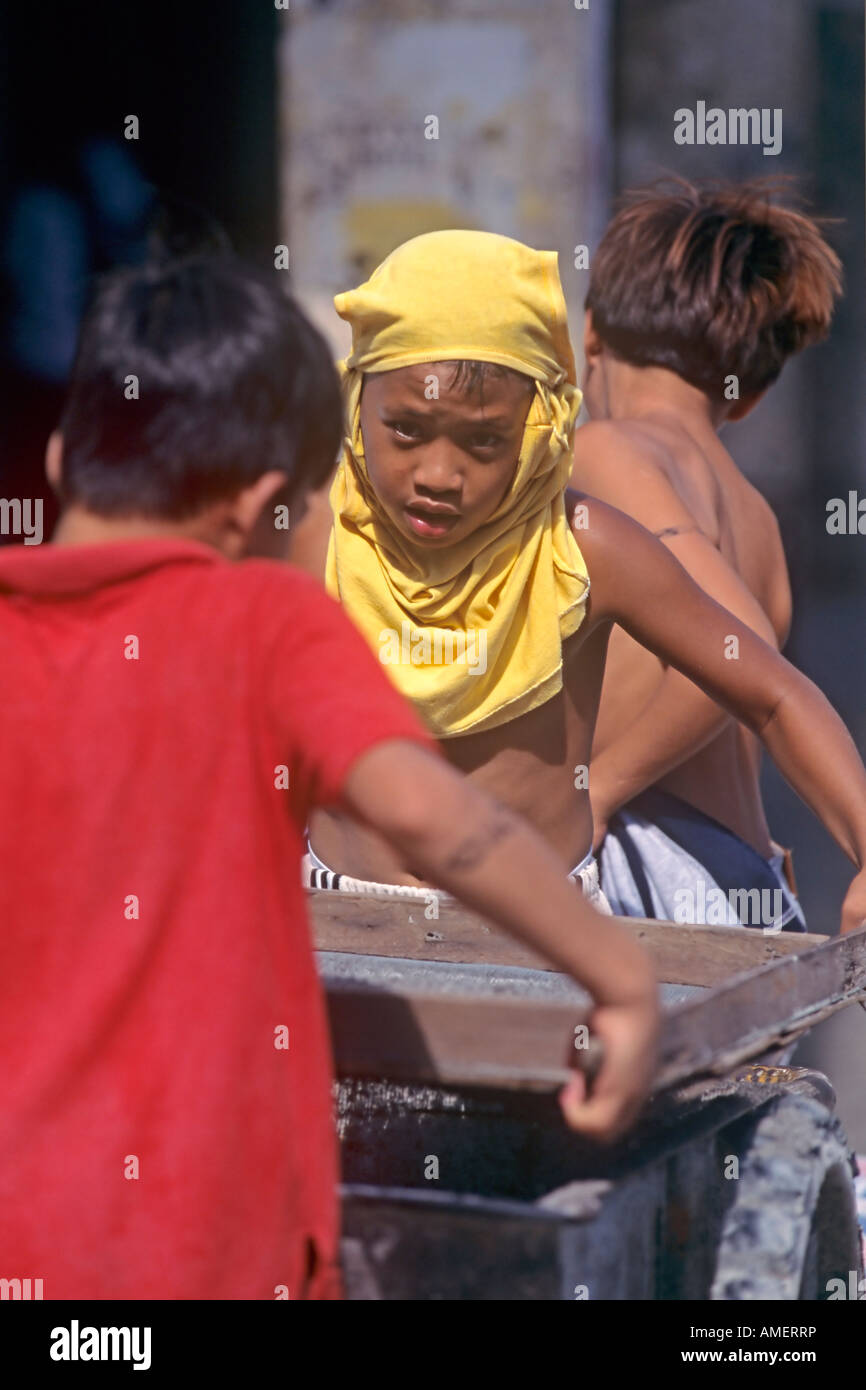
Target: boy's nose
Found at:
x=439, y=470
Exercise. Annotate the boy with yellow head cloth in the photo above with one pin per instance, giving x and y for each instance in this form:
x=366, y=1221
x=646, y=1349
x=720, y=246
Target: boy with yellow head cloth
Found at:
x=516, y=586
x=457, y=548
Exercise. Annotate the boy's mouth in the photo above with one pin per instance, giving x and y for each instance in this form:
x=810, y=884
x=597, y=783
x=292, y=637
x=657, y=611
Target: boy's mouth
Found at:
x=433, y=519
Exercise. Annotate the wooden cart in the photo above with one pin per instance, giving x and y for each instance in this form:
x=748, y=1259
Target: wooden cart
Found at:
x=461, y=1180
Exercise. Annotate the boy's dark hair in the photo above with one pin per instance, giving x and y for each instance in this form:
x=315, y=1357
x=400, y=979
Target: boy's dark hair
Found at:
x=712, y=281
x=468, y=375
x=231, y=379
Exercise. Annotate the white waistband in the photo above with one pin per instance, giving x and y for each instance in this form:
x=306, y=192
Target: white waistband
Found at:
x=316, y=874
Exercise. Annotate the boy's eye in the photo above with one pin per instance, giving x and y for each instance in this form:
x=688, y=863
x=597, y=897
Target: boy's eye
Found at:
x=404, y=428
x=485, y=441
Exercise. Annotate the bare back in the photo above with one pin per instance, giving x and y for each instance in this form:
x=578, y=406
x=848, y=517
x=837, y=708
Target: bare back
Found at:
x=685, y=487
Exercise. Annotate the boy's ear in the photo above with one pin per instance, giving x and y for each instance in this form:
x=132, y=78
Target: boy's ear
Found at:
x=743, y=407
x=254, y=516
x=54, y=460
x=592, y=344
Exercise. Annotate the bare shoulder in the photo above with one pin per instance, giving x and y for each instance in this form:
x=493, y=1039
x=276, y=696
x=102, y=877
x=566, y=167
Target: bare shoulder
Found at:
x=630, y=469
x=760, y=512
x=762, y=535
x=599, y=443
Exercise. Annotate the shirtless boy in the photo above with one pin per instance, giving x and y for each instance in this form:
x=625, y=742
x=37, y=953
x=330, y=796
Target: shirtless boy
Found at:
x=449, y=516
x=696, y=300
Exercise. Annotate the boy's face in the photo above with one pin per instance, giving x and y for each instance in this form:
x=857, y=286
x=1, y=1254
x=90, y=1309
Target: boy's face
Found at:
x=441, y=467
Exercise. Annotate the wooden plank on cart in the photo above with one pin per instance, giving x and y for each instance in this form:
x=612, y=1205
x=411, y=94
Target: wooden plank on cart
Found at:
x=368, y=924
x=484, y=1039
x=468, y=1040
x=762, y=1009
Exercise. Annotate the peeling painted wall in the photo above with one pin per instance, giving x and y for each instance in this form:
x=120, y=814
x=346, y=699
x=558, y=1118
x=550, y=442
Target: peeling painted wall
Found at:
x=519, y=93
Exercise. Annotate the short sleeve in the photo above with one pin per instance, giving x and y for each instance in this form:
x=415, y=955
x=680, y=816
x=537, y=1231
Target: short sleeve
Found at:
x=328, y=697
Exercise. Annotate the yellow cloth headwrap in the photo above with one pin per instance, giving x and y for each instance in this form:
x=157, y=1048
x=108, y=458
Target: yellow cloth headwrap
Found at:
x=511, y=591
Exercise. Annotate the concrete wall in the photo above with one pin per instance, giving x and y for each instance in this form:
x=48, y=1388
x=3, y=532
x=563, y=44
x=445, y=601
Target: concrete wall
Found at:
x=807, y=441
x=519, y=92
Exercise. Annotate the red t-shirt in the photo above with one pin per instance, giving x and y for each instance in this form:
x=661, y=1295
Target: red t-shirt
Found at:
x=158, y=1139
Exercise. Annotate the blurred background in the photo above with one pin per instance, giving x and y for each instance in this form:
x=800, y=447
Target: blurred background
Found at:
x=312, y=125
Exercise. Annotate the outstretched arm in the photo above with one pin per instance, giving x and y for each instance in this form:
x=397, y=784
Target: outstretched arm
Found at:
x=637, y=583
x=678, y=719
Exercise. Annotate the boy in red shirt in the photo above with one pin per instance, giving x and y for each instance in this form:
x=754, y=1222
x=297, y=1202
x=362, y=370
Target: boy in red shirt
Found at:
x=170, y=721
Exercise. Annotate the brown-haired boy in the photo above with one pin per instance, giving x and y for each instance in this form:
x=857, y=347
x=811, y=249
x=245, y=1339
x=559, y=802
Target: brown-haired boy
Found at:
x=697, y=298
x=451, y=526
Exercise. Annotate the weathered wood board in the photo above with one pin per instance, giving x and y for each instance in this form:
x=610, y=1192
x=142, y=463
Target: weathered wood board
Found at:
x=384, y=926
x=471, y=1041
x=774, y=989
